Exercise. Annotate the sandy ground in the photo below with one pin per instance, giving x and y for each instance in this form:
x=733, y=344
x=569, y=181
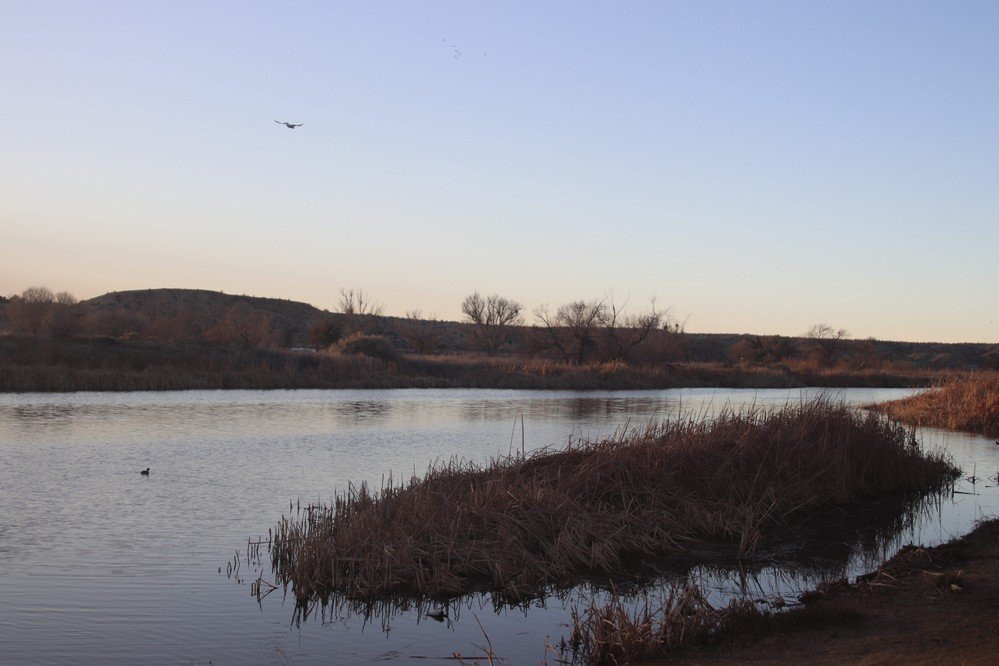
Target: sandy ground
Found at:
x=924, y=606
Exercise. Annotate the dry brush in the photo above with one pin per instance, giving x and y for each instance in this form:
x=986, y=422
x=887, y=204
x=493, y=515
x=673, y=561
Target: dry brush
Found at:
x=969, y=403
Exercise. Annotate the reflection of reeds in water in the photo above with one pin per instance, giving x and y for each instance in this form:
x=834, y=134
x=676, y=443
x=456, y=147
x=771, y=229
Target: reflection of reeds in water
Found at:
x=685, y=605
x=622, y=631
x=617, y=632
x=521, y=525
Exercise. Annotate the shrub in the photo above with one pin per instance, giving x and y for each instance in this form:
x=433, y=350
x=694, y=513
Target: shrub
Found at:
x=373, y=346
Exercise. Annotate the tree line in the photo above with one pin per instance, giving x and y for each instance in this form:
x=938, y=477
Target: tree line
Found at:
x=576, y=333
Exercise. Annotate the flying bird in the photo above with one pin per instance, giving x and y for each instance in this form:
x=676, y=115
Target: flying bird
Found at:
x=288, y=125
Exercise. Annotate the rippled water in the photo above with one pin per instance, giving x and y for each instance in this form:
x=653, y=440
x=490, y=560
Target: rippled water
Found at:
x=103, y=565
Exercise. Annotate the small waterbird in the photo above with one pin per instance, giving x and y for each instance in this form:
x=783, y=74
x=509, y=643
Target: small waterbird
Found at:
x=439, y=615
x=287, y=124
x=145, y=472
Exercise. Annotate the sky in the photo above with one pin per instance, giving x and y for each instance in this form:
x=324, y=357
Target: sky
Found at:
x=758, y=167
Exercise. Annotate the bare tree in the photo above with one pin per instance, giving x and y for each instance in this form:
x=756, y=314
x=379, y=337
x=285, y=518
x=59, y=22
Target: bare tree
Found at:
x=826, y=342
x=359, y=311
x=600, y=330
x=572, y=329
x=37, y=295
x=354, y=302
x=493, y=316
x=421, y=333
x=624, y=333
x=38, y=312
x=29, y=311
x=64, y=316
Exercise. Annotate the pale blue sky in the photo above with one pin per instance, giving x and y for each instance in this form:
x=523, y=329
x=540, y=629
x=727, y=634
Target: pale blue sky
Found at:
x=759, y=166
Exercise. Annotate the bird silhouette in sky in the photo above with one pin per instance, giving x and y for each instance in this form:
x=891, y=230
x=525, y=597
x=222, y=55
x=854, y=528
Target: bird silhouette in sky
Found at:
x=456, y=52
x=288, y=125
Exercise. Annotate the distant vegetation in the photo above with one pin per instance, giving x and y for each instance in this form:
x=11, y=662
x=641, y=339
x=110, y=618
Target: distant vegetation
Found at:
x=522, y=524
x=968, y=402
x=182, y=338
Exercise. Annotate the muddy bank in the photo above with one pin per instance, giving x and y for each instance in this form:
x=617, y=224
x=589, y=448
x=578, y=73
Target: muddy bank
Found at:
x=925, y=605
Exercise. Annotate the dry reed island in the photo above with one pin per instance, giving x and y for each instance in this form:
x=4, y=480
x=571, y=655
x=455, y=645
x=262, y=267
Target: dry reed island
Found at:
x=969, y=403
x=523, y=525
x=924, y=606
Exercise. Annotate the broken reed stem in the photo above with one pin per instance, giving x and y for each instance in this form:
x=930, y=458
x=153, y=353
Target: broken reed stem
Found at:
x=521, y=524
x=489, y=643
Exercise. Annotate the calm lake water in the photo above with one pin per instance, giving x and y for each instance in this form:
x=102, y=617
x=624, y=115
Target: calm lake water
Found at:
x=102, y=565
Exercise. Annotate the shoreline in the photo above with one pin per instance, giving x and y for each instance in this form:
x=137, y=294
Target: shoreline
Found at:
x=924, y=605
x=354, y=373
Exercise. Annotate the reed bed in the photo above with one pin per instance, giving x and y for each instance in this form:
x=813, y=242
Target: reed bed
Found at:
x=617, y=633
x=522, y=524
x=968, y=402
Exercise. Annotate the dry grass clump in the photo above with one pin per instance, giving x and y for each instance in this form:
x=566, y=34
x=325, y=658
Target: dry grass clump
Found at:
x=374, y=346
x=969, y=402
x=521, y=524
x=618, y=632
x=613, y=633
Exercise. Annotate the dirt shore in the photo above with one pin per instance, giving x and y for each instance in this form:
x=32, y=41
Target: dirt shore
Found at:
x=933, y=605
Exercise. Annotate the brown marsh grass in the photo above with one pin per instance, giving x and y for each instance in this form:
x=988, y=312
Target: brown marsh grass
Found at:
x=968, y=402
x=622, y=632
x=479, y=371
x=616, y=633
x=522, y=524
x=106, y=364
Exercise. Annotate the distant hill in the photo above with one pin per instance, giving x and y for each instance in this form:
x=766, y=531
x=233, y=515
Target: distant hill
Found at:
x=202, y=303
x=200, y=311
x=715, y=347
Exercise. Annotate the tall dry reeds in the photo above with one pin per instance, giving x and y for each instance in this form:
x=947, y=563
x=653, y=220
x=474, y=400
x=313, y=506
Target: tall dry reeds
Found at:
x=519, y=525
x=616, y=633
x=968, y=402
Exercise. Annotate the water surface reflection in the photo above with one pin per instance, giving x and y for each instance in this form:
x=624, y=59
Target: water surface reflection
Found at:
x=104, y=566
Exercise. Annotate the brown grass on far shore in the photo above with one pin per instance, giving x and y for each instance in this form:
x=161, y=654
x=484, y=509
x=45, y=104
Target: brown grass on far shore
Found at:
x=479, y=371
x=519, y=525
x=105, y=364
x=969, y=402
